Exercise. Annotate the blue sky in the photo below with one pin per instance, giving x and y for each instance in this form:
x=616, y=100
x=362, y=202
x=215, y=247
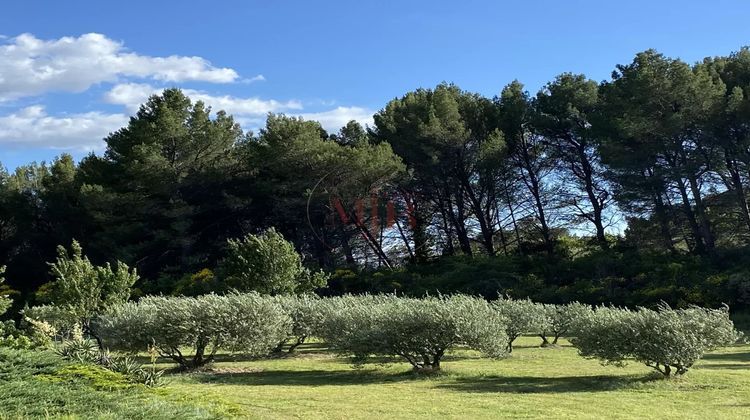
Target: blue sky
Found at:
x=72, y=71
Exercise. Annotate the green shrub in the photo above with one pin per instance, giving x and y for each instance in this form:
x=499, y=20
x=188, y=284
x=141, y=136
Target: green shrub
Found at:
x=136, y=371
x=248, y=323
x=521, y=316
x=5, y=301
x=85, y=290
x=417, y=330
x=80, y=350
x=62, y=319
x=86, y=352
x=19, y=343
x=668, y=340
x=33, y=336
x=560, y=319
x=196, y=284
x=268, y=264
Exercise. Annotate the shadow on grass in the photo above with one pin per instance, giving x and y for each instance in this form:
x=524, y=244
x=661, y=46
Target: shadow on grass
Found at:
x=543, y=385
x=305, y=377
x=730, y=357
x=304, y=350
x=489, y=384
x=738, y=366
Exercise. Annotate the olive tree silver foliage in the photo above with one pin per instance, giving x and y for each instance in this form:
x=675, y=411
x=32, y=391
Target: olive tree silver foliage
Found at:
x=560, y=320
x=668, y=340
x=306, y=316
x=240, y=322
x=419, y=331
x=520, y=316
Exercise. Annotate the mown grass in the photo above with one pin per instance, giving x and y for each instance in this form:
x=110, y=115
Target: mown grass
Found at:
x=534, y=382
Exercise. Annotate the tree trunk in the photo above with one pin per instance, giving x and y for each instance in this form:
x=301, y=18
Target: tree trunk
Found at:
x=419, y=233
x=596, y=206
x=513, y=220
x=485, y=225
x=534, y=187
x=739, y=191
x=297, y=343
x=700, y=246
x=705, y=223
x=459, y=226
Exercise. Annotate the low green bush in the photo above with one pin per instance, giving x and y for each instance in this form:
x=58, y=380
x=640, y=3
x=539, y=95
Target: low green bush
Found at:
x=418, y=330
x=36, y=334
x=247, y=323
x=136, y=371
x=668, y=340
x=80, y=350
x=62, y=319
x=41, y=384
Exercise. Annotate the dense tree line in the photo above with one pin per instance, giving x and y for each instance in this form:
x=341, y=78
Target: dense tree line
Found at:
x=578, y=189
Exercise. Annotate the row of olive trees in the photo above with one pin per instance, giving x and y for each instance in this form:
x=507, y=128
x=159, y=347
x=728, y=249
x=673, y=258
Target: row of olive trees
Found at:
x=550, y=322
x=419, y=331
x=666, y=339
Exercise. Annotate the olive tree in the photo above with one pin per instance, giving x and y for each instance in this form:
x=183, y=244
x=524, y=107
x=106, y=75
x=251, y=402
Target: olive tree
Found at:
x=667, y=340
x=306, y=318
x=267, y=263
x=559, y=320
x=418, y=330
x=520, y=316
x=246, y=323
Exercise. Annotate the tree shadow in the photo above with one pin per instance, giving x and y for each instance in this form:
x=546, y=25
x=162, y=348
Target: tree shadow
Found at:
x=543, y=385
x=304, y=377
x=304, y=350
x=488, y=384
x=732, y=357
x=737, y=366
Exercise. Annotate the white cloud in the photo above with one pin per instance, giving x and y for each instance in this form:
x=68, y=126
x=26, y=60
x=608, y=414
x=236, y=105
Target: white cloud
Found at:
x=258, y=78
x=31, y=127
x=249, y=112
x=242, y=106
x=332, y=120
x=132, y=95
x=31, y=66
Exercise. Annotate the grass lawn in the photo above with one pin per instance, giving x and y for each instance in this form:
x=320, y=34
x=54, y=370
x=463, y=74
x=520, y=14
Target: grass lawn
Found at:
x=535, y=382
